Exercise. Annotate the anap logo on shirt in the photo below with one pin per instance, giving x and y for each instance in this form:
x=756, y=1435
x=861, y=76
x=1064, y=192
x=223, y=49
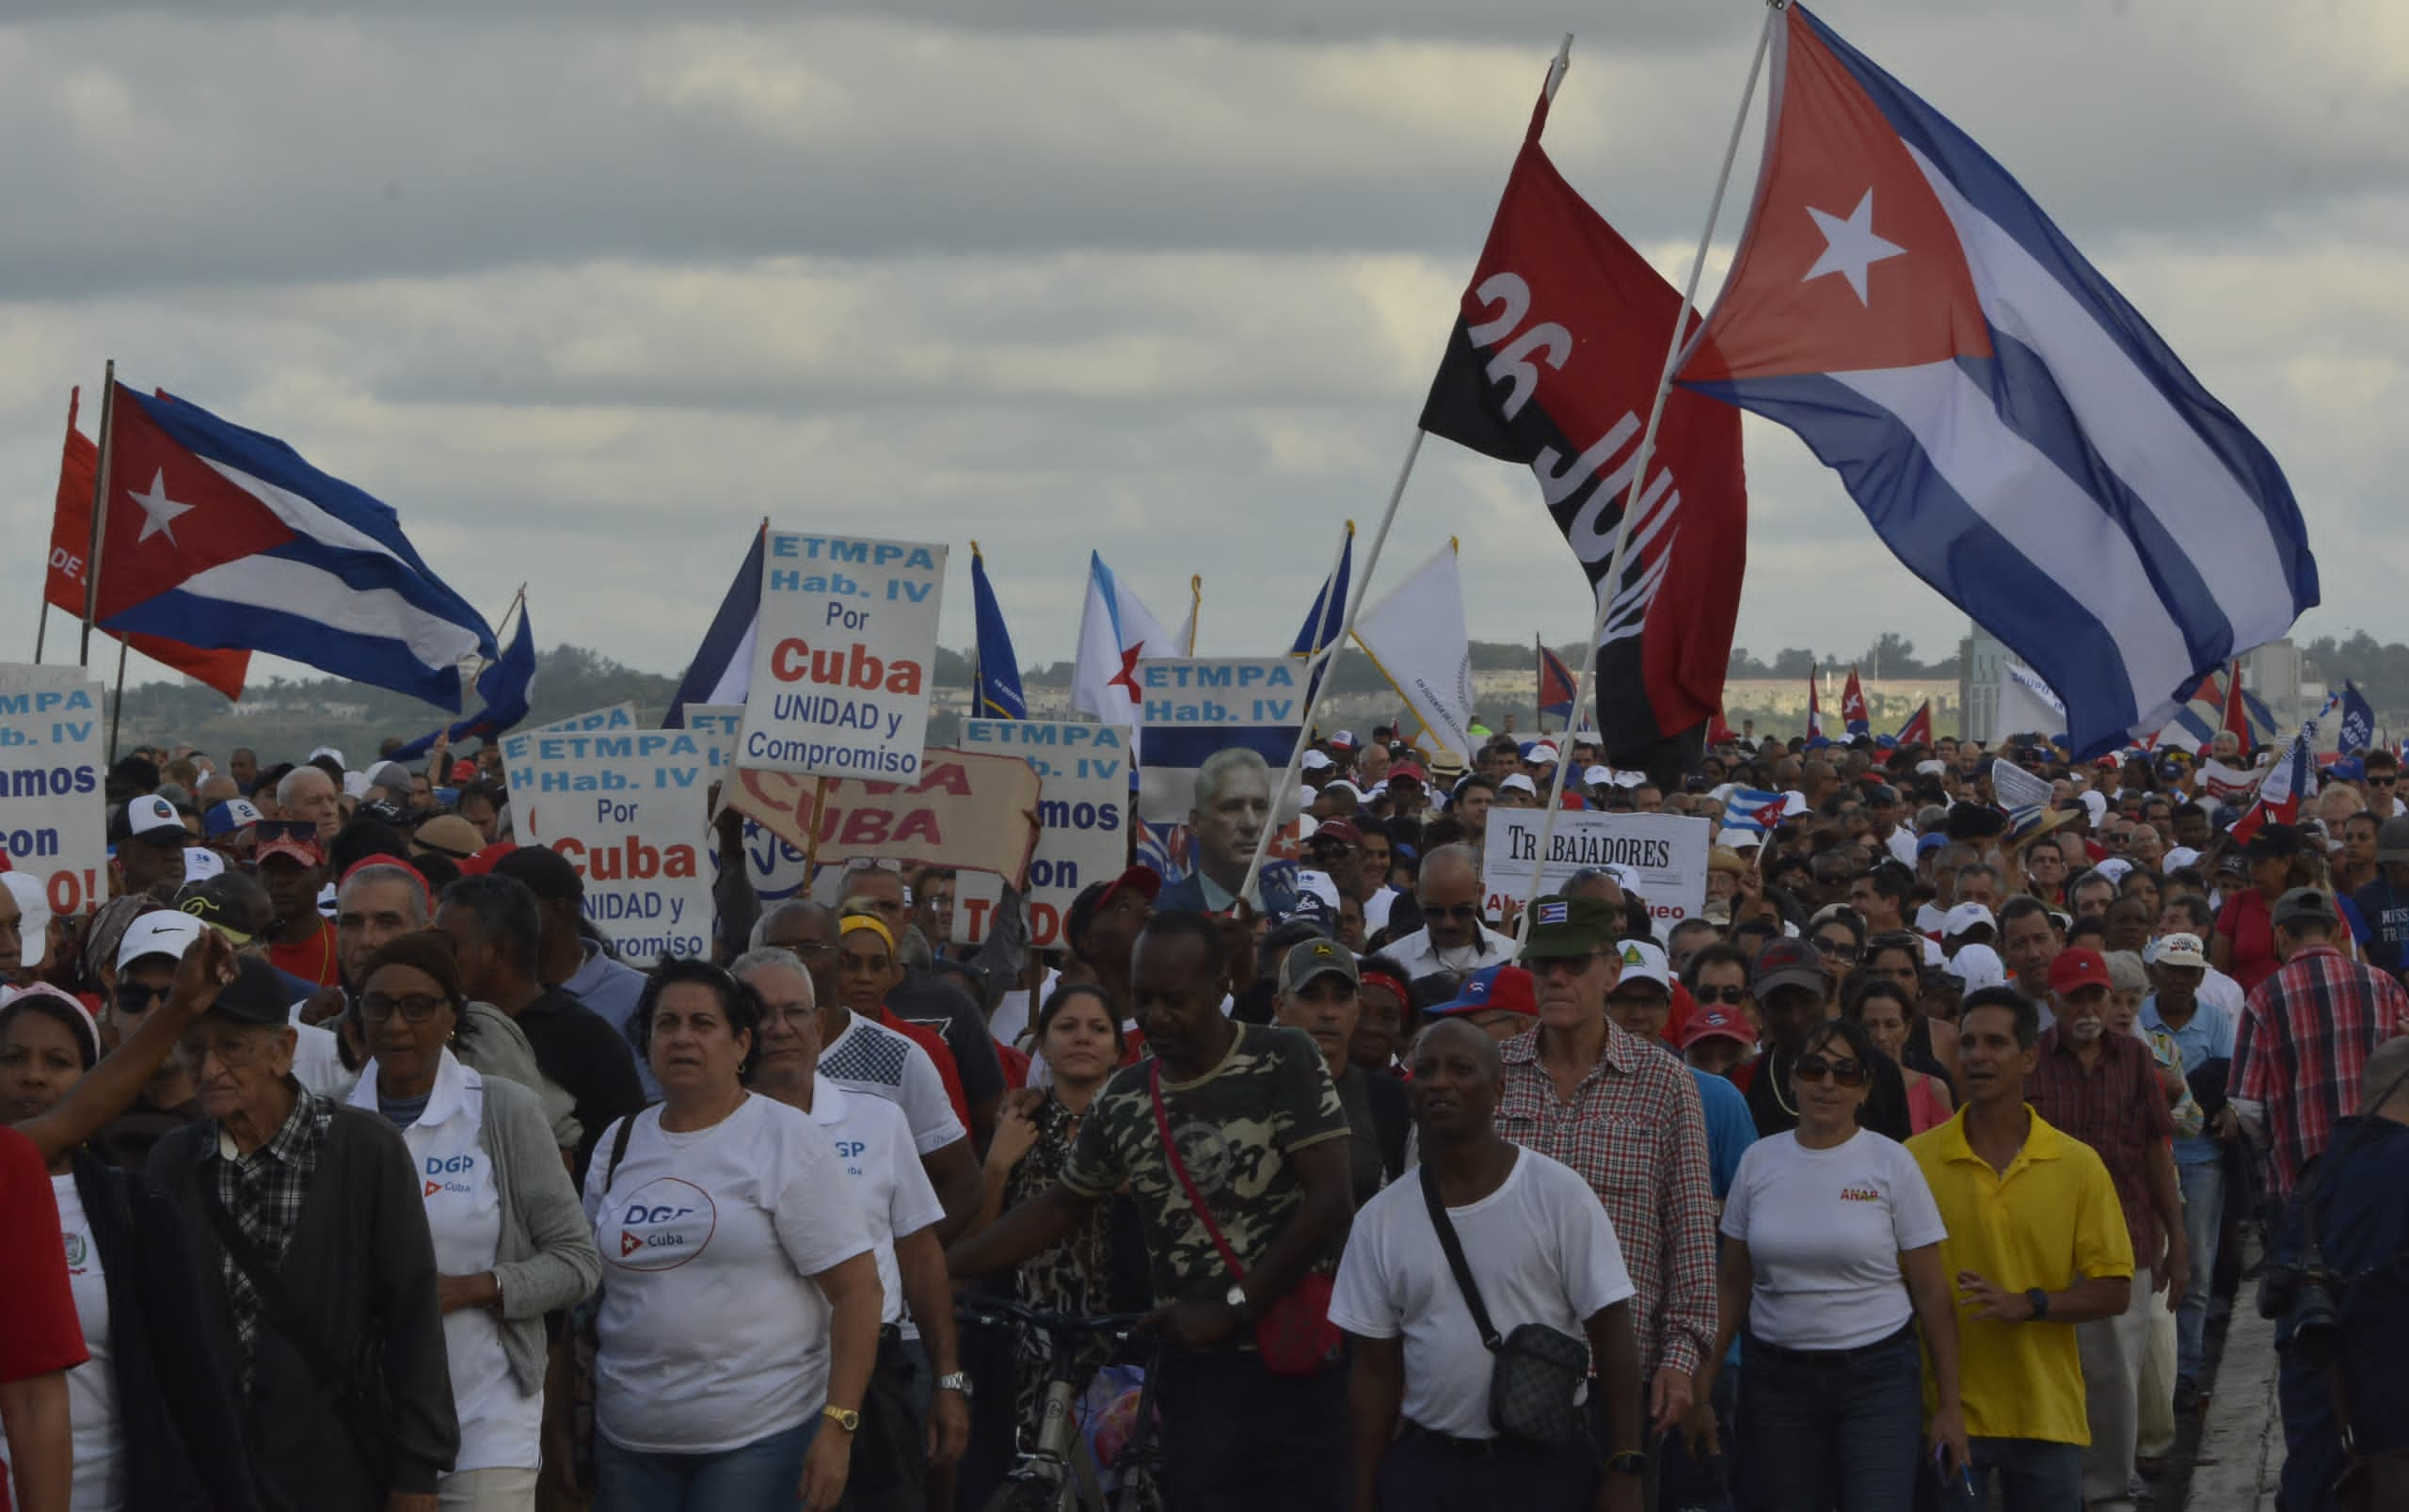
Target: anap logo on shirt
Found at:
x=665, y=1224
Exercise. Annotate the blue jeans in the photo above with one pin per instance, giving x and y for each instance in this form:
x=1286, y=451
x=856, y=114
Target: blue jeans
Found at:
x=2033, y=1475
x=1689, y=1484
x=2203, y=1212
x=1820, y=1427
x=765, y=1476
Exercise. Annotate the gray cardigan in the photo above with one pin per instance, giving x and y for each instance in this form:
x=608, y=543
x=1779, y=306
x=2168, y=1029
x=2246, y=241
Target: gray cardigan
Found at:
x=545, y=1260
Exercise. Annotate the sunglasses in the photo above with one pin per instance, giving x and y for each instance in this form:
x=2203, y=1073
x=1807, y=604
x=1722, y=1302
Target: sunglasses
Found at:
x=2382, y=782
x=1451, y=910
x=1559, y=965
x=1837, y=950
x=1735, y=997
x=133, y=998
x=416, y=1007
x=1811, y=1069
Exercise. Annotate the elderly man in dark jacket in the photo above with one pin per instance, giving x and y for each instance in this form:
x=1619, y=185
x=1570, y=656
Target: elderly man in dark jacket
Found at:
x=317, y=1273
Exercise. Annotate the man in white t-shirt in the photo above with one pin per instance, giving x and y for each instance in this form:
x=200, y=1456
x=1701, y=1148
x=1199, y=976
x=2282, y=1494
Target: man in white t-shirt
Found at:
x=1538, y=1249
x=874, y=1143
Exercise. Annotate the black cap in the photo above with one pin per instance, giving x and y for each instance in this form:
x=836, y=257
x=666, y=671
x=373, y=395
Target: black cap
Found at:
x=2304, y=905
x=2274, y=841
x=258, y=994
x=546, y=872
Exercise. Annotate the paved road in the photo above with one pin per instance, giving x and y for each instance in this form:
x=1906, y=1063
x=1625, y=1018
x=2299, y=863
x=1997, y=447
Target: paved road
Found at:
x=2242, y=1444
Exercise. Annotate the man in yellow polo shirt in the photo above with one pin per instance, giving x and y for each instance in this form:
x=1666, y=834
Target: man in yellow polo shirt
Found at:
x=2036, y=1244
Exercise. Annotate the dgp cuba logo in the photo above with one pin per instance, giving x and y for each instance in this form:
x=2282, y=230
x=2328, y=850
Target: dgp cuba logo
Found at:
x=665, y=1223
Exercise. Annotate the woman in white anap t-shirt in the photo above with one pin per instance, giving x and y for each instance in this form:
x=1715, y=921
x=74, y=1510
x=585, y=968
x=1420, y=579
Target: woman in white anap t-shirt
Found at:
x=740, y=1304
x=511, y=1242
x=1834, y=1259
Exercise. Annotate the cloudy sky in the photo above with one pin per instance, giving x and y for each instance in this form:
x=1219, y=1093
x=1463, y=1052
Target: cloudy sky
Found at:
x=583, y=292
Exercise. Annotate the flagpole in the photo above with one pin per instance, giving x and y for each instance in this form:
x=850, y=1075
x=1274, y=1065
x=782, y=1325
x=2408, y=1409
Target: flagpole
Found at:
x=1609, y=587
x=1319, y=687
x=1539, y=686
x=1195, y=609
x=116, y=712
x=1317, y=661
x=100, y=514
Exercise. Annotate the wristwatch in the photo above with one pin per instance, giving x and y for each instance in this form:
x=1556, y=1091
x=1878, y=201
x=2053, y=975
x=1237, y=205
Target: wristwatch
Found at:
x=1234, y=1299
x=849, y=1418
x=1631, y=1462
x=2040, y=1300
x=956, y=1382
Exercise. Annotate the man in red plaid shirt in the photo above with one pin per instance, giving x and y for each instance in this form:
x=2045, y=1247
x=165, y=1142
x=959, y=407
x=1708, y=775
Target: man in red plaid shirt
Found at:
x=1626, y=1116
x=2305, y=1035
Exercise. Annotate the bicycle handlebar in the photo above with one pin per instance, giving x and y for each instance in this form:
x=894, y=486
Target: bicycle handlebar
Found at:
x=999, y=1309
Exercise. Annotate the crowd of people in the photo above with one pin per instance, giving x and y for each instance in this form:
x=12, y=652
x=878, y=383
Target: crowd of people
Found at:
x=1907, y=1172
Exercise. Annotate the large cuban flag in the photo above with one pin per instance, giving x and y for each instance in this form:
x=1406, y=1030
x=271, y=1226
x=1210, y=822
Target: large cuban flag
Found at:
x=2015, y=431
x=1116, y=632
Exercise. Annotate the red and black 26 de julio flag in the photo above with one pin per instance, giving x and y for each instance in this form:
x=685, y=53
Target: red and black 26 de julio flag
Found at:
x=1554, y=363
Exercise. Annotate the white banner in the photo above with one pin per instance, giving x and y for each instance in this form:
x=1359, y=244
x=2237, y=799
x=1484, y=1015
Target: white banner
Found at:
x=842, y=657
x=625, y=808
x=2026, y=705
x=1416, y=637
x=54, y=823
x=1663, y=857
x=518, y=754
x=1083, y=819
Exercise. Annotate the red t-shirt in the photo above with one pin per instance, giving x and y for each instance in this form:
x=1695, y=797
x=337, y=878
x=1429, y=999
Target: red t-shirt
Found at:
x=313, y=959
x=39, y=1329
x=2247, y=921
x=934, y=1043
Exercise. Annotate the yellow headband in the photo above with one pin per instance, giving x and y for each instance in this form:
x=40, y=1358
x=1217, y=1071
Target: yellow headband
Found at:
x=863, y=921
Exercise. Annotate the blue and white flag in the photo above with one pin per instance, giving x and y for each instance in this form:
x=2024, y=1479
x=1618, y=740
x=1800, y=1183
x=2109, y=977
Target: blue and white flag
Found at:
x=721, y=671
x=1116, y=632
x=2014, y=430
x=2358, y=721
x=505, y=685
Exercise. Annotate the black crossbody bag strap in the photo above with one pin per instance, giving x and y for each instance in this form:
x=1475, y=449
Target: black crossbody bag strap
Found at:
x=1456, y=1263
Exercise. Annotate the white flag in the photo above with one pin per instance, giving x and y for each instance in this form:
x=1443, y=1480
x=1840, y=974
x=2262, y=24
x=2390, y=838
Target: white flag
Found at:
x=2026, y=705
x=1115, y=632
x=1415, y=636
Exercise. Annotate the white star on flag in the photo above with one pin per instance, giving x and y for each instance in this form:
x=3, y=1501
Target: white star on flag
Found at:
x=159, y=511
x=1850, y=246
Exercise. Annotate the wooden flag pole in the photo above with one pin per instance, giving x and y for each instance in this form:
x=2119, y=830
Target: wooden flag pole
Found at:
x=1610, y=586
x=116, y=711
x=100, y=514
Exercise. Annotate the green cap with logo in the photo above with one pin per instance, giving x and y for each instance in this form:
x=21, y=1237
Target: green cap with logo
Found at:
x=1310, y=959
x=1563, y=928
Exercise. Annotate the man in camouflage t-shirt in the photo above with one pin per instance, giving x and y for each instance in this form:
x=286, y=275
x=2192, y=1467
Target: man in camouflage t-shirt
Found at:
x=1260, y=1130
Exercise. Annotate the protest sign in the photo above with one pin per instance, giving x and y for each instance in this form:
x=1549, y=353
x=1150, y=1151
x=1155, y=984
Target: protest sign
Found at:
x=625, y=808
x=1663, y=857
x=1191, y=707
x=965, y=810
x=1083, y=812
x=779, y=870
x=52, y=822
x=842, y=655
x=717, y=727
x=518, y=754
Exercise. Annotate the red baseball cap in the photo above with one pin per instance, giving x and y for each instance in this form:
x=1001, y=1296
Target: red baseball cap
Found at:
x=1718, y=1021
x=1406, y=769
x=1499, y=987
x=2078, y=968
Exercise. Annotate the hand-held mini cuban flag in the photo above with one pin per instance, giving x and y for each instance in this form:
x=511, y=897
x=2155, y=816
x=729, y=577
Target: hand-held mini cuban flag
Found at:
x=1557, y=687
x=505, y=685
x=994, y=674
x=222, y=537
x=2287, y=785
x=721, y=671
x=2358, y=721
x=2016, y=432
x=1853, y=716
x=1116, y=632
x=1753, y=810
x=1917, y=729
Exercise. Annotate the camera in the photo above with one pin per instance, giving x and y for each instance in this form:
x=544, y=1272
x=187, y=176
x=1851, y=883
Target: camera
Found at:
x=2309, y=1302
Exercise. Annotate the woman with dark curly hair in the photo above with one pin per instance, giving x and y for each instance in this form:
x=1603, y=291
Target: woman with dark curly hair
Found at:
x=740, y=1302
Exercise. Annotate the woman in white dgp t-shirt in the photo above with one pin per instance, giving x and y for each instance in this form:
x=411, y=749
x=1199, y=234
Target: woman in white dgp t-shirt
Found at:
x=741, y=1303
x=1832, y=1256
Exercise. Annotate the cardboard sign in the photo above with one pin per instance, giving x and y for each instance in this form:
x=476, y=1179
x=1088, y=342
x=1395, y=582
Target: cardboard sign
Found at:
x=779, y=870
x=1083, y=818
x=842, y=657
x=518, y=755
x=54, y=823
x=1190, y=708
x=967, y=810
x=625, y=808
x=1663, y=856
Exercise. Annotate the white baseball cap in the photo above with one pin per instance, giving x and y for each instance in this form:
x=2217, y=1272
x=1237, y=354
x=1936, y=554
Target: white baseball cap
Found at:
x=2177, y=950
x=2181, y=856
x=1598, y=777
x=33, y=916
x=1978, y=966
x=1316, y=761
x=1519, y=783
x=1544, y=754
x=169, y=932
x=1966, y=916
x=150, y=813
x=1643, y=961
x=200, y=865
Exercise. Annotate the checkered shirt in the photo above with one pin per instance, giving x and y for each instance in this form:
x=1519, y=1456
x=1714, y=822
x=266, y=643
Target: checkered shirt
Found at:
x=2119, y=1109
x=263, y=1192
x=1635, y=1131
x=2302, y=1045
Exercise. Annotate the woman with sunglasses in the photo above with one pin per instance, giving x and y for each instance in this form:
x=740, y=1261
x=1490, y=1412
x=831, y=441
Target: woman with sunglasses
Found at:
x=1888, y=1011
x=511, y=1243
x=152, y=1428
x=1833, y=1260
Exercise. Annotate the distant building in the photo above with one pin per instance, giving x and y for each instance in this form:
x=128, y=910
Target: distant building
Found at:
x=1980, y=658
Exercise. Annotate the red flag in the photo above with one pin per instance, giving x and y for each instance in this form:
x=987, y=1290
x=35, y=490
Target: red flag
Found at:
x=1556, y=686
x=71, y=539
x=1554, y=363
x=2237, y=714
x=1719, y=730
x=1917, y=729
x=1853, y=716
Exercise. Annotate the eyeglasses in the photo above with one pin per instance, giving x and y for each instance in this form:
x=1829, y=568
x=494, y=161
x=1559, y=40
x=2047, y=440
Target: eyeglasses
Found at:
x=1812, y=1069
x=229, y=1048
x=1559, y=965
x=809, y=949
x=1451, y=910
x=2382, y=782
x=1837, y=950
x=133, y=998
x=416, y=1007
x=873, y=864
x=1709, y=996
